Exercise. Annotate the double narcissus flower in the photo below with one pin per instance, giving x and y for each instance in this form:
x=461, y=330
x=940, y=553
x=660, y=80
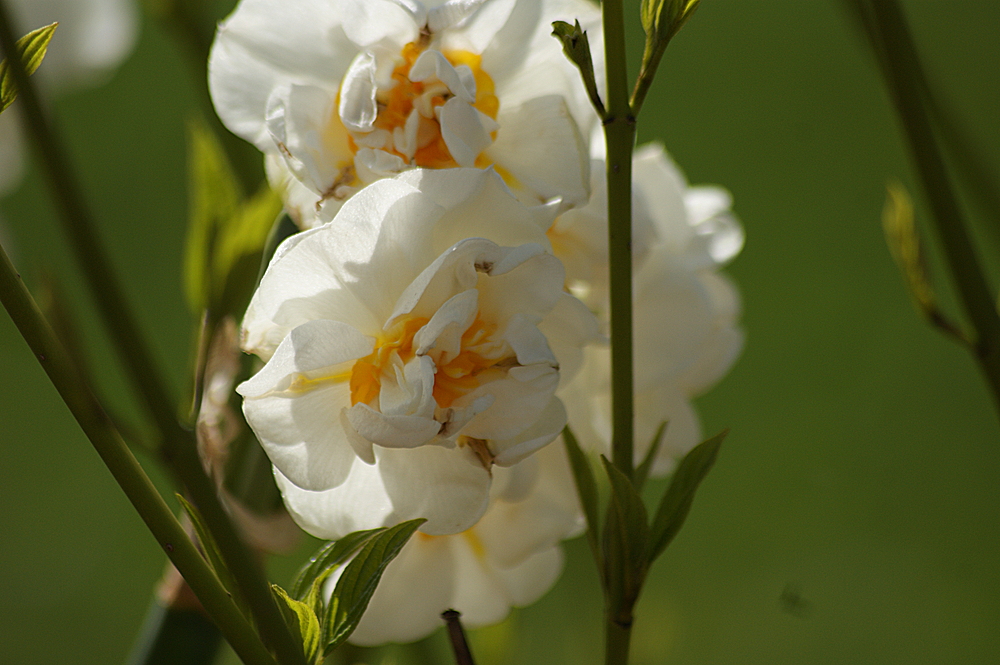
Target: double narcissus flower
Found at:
x=685, y=312
x=510, y=558
x=411, y=345
x=340, y=93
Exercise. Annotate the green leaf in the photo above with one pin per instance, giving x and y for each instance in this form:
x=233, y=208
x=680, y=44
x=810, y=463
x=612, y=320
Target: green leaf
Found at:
x=210, y=549
x=642, y=471
x=329, y=556
x=586, y=489
x=303, y=621
x=357, y=583
x=576, y=46
x=904, y=243
x=677, y=500
x=226, y=233
x=626, y=536
x=32, y=48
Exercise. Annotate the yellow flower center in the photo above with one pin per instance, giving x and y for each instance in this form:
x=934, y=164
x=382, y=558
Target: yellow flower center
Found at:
x=474, y=365
x=397, y=103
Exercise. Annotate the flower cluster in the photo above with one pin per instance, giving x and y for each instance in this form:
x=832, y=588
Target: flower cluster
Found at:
x=443, y=313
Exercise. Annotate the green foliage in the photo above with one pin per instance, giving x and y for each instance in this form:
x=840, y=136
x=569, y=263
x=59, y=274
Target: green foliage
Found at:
x=677, y=500
x=586, y=489
x=904, y=243
x=625, y=539
x=576, y=46
x=226, y=234
x=661, y=20
x=357, y=583
x=329, y=556
x=211, y=550
x=303, y=622
x=32, y=48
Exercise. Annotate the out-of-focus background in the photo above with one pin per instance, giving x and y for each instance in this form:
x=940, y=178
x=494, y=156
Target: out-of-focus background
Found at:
x=854, y=513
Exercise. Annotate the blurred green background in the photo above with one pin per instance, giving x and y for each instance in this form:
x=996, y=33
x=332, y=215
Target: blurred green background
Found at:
x=853, y=514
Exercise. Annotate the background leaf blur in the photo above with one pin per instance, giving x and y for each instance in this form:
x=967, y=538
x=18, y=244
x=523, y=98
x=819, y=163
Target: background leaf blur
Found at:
x=863, y=461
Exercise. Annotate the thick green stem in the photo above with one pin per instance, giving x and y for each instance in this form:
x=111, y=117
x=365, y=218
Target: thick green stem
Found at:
x=96, y=424
x=619, y=132
x=904, y=77
x=618, y=638
x=179, y=448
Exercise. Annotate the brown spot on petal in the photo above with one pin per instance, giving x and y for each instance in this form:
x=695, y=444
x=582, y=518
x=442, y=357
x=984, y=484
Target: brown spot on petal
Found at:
x=481, y=448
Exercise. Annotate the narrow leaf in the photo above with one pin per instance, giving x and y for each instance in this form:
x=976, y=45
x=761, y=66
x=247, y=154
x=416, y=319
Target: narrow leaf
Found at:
x=576, y=46
x=357, y=583
x=632, y=530
x=210, y=549
x=904, y=243
x=677, y=500
x=213, y=198
x=302, y=620
x=32, y=48
x=642, y=471
x=586, y=489
x=329, y=556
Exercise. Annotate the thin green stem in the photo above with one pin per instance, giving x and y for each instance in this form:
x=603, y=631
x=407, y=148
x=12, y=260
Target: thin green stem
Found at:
x=78, y=225
x=179, y=448
x=619, y=637
x=96, y=424
x=619, y=132
x=904, y=77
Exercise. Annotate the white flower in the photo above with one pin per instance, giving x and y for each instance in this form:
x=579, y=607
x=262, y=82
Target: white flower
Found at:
x=510, y=558
x=339, y=93
x=408, y=354
x=93, y=37
x=685, y=331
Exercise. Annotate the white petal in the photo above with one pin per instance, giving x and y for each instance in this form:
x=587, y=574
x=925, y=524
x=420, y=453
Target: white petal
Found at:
x=471, y=24
x=523, y=281
x=521, y=398
x=533, y=578
x=528, y=342
x=539, y=144
x=443, y=333
x=358, y=108
x=568, y=328
x=548, y=426
x=411, y=393
x=371, y=165
x=463, y=131
x=392, y=431
x=448, y=487
x=433, y=64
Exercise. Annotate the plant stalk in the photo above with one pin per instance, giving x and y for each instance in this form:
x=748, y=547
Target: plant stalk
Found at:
x=96, y=424
x=900, y=64
x=618, y=638
x=179, y=448
x=619, y=132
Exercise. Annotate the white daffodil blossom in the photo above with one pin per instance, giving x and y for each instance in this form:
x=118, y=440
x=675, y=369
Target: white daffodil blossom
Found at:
x=340, y=93
x=685, y=312
x=93, y=37
x=407, y=354
x=510, y=558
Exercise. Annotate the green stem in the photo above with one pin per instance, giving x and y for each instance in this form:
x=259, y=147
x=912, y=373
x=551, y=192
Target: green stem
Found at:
x=904, y=77
x=619, y=132
x=96, y=424
x=179, y=446
x=619, y=635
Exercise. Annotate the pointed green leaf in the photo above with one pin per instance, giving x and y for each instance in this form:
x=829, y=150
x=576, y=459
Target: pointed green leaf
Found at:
x=586, y=490
x=904, y=243
x=213, y=198
x=227, y=234
x=642, y=471
x=357, y=583
x=627, y=534
x=302, y=620
x=32, y=48
x=331, y=555
x=576, y=46
x=677, y=500
x=210, y=549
